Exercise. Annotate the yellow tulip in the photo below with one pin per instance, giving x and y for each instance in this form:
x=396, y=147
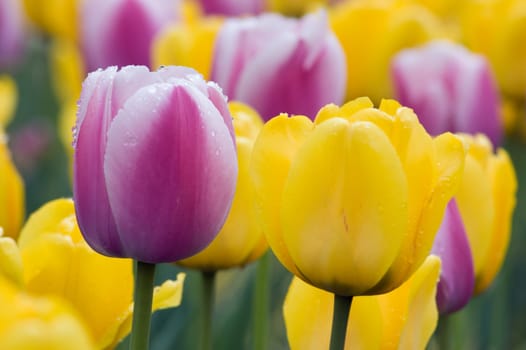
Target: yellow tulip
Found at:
x=241, y=240
x=371, y=32
x=189, y=42
x=67, y=70
x=57, y=261
x=486, y=199
x=497, y=28
x=10, y=260
x=295, y=7
x=38, y=323
x=54, y=17
x=405, y=318
x=12, y=197
x=351, y=203
x=8, y=99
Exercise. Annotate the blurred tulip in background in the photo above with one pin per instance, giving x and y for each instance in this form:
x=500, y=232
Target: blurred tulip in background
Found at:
x=232, y=7
x=121, y=32
x=12, y=32
x=280, y=65
x=486, y=200
x=450, y=89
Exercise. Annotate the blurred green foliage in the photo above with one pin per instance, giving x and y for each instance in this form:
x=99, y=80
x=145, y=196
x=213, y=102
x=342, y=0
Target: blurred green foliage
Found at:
x=494, y=320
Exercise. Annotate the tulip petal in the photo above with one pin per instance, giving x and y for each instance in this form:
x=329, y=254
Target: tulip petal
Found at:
x=346, y=244
x=171, y=145
x=10, y=260
x=402, y=319
x=504, y=189
x=272, y=155
x=89, y=187
x=12, y=195
x=457, y=278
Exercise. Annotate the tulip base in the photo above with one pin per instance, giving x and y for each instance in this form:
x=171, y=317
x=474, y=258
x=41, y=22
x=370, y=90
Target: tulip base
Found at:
x=142, y=309
x=342, y=306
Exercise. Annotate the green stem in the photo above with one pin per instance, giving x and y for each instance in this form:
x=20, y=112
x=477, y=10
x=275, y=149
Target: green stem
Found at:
x=342, y=306
x=444, y=333
x=142, y=309
x=261, y=303
x=207, y=308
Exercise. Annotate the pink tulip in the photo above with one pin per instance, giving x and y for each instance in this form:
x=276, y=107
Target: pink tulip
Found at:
x=232, y=7
x=450, y=89
x=155, y=163
x=457, y=278
x=277, y=64
x=120, y=32
x=12, y=31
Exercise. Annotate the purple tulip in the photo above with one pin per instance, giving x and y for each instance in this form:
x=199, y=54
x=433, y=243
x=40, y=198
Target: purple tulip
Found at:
x=12, y=31
x=232, y=7
x=450, y=89
x=155, y=162
x=120, y=32
x=457, y=278
x=277, y=64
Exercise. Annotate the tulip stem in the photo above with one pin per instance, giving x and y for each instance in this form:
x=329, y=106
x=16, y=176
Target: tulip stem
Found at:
x=342, y=306
x=261, y=303
x=142, y=309
x=207, y=307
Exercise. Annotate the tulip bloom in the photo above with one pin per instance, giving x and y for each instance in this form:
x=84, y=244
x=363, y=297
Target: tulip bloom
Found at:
x=55, y=17
x=12, y=193
x=53, y=259
x=497, y=29
x=331, y=215
x=232, y=7
x=450, y=89
x=457, y=278
x=371, y=32
x=276, y=65
x=8, y=99
x=120, y=32
x=486, y=199
x=297, y=7
x=152, y=145
x=189, y=42
x=29, y=322
x=12, y=31
x=402, y=319
x=241, y=239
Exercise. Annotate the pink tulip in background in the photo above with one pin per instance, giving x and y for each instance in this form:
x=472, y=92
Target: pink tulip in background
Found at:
x=232, y=7
x=457, y=276
x=450, y=89
x=12, y=31
x=120, y=32
x=155, y=163
x=277, y=64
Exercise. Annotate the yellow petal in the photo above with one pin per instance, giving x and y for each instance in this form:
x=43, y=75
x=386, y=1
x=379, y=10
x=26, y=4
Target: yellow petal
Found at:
x=168, y=295
x=12, y=196
x=241, y=240
x=55, y=17
x=10, y=260
x=504, y=189
x=36, y=323
x=410, y=312
x=8, y=99
x=344, y=208
x=188, y=43
x=272, y=154
x=348, y=109
x=402, y=319
x=477, y=210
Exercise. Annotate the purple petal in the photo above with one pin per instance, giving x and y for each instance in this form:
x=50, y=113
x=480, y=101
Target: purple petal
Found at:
x=92, y=207
x=170, y=169
x=457, y=278
x=12, y=31
x=232, y=7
